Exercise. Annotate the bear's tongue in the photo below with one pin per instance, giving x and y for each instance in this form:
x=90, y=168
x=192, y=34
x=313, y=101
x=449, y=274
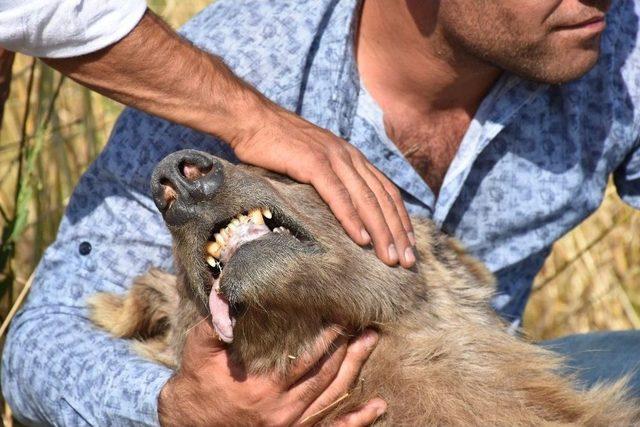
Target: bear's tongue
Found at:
x=222, y=320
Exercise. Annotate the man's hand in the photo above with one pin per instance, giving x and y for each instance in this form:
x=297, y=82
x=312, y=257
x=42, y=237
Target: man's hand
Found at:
x=210, y=390
x=147, y=69
x=366, y=203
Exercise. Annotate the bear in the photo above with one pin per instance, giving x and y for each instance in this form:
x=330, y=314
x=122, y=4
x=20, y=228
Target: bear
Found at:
x=263, y=258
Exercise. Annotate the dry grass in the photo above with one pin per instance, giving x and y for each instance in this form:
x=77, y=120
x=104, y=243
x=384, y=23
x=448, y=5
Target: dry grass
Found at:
x=591, y=280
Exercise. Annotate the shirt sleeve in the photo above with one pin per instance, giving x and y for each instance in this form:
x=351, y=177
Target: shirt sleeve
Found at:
x=57, y=367
x=66, y=28
x=58, y=370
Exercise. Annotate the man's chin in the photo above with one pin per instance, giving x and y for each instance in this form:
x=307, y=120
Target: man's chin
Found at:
x=564, y=69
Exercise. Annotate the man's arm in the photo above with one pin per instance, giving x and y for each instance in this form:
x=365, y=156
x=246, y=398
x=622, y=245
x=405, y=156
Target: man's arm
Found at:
x=59, y=370
x=155, y=70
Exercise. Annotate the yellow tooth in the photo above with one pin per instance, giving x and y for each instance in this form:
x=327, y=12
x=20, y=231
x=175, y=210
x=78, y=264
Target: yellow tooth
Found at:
x=225, y=234
x=214, y=249
x=236, y=221
x=243, y=219
x=211, y=261
x=219, y=238
x=256, y=216
x=266, y=212
x=232, y=226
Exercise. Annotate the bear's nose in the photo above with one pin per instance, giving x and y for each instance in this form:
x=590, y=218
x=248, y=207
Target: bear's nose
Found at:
x=181, y=180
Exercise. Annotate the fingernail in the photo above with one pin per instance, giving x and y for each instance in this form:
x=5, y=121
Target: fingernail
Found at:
x=393, y=253
x=370, y=338
x=381, y=410
x=409, y=256
x=412, y=238
x=365, y=236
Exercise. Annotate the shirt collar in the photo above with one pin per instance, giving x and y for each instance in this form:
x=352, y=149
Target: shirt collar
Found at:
x=332, y=93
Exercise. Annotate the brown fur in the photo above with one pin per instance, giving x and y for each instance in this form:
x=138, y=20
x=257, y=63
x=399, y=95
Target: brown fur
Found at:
x=444, y=356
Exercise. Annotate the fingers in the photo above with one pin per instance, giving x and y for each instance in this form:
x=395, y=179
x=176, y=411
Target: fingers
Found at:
x=203, y=349
x=201, y=338
x=364, y=416
x=306, y=362
x=311, y=385
x=389, y=206
x=393, y=191
x=338, y=198
x=357, y=354
x=367, y=203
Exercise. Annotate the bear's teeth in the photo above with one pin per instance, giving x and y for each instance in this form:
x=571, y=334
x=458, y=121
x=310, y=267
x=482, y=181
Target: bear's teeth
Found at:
x=281, y=230
x=255, y=215
x=214, y=249
x=212, y=261
x=221, y=240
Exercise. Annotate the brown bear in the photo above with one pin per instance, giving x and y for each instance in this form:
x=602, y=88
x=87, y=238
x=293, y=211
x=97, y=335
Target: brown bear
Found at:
x=264, y=258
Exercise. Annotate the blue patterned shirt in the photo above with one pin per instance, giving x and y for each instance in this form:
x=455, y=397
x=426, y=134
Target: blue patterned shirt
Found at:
x=532, y=165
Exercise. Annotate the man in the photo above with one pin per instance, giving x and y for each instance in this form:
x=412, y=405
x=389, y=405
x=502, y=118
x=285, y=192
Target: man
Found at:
x=499, y=119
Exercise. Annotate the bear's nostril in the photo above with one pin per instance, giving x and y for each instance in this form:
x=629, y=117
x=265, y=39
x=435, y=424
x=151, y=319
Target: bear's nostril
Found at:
x=193, y=172
x=182, y=180
x=169, y=194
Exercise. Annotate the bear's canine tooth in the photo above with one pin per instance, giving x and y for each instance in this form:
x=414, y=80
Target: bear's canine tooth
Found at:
x=214, y=249
x=266, y=212
x=256, y=216
x=212, y=261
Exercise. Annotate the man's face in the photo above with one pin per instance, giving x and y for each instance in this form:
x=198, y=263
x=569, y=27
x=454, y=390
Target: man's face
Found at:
x=552, y=41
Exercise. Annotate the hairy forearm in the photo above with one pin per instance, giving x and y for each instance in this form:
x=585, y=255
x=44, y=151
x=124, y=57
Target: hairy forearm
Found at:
x=155, y=70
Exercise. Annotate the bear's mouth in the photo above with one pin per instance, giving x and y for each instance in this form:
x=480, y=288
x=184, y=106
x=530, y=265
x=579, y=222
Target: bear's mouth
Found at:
x=226, y=238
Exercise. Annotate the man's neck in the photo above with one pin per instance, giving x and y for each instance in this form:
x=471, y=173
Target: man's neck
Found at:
x=405, y=60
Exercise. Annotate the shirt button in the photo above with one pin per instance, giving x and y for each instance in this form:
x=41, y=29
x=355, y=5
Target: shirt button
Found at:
x=84, y=248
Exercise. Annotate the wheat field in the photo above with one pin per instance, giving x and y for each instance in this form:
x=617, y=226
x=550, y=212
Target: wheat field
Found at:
x=53, y=128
